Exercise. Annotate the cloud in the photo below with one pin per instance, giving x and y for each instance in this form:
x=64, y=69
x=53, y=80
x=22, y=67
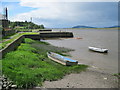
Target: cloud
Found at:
x=9, y=0
x=63, y=14
x=48, y=11
x=69, y=0
x=44, y=3
x=24, y=1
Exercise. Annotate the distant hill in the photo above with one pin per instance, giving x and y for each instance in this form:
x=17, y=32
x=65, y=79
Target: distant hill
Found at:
x=113, y=26
x=79, y=26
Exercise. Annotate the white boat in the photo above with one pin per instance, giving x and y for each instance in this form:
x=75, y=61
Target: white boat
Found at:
x=61, y=59
x=102, y=50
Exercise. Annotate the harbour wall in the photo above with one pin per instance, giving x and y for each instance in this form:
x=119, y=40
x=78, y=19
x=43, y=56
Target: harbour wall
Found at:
x=56, y=35
x=33, y=36
x=13, y=45
x=45, y=30
x=50, y=35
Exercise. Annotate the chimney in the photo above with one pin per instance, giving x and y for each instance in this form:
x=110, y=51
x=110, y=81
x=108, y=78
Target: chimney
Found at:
x=6, y=13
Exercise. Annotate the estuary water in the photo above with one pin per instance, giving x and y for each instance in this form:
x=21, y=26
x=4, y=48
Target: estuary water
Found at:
x=104, y=38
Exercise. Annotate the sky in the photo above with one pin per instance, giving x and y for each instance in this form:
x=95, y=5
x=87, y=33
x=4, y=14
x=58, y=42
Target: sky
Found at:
x=64, y=13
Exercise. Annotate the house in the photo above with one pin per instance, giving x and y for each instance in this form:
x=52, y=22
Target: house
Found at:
x=4, y=22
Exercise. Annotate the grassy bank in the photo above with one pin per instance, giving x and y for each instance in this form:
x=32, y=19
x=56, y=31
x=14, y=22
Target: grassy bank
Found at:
x=29, y=65
x=8, y=39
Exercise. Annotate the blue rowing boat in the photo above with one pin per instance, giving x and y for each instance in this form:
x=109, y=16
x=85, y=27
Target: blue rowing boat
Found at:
x=61, y=59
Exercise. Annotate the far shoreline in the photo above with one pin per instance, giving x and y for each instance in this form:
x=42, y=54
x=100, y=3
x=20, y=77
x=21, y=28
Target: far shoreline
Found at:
x=85, y=28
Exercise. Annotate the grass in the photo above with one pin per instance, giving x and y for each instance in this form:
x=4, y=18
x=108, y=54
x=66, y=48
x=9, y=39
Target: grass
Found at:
x=117, y=75
x=16, y=36
x=46, y=47
x=22, y=29
x=7, y=37
x=29, y=65
x=29, y=41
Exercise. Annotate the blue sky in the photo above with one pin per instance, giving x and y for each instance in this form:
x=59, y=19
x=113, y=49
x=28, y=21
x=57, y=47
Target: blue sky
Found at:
x=14, y=8
x=64, y=14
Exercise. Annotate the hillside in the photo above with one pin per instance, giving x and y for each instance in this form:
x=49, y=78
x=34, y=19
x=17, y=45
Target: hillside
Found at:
x=113, y=26
x=79, y=26
x=25, y=25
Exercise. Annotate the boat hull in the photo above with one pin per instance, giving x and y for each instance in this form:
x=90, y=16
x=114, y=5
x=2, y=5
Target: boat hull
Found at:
x=61, y=61
x=98, y=49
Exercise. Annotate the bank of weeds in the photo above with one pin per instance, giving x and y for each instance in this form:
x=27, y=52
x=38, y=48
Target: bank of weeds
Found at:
x=29, y=65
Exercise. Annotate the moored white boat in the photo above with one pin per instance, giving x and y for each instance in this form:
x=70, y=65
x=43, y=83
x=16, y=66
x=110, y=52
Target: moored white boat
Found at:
x=102, y=50
x=61, y=59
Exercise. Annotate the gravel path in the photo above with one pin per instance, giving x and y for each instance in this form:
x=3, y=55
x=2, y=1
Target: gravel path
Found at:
x=91, y=78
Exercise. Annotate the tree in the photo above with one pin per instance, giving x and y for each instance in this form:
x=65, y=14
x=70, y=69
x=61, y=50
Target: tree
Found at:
x=12, y=25
x=26, y=25
x=42, y=26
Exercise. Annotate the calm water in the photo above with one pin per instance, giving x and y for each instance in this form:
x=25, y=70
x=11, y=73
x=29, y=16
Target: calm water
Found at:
x=92, y=37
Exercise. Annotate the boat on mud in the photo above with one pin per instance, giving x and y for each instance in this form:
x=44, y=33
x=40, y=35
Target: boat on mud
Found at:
x=101, y=50
x=61, y=59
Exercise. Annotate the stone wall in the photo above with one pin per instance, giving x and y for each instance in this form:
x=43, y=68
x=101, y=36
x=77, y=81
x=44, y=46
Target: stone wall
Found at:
x=5, y=23
x=50, y=35
x=33, y=36
x=11, y=47
x=46, y=30
x=56, y=35
x=8, y=32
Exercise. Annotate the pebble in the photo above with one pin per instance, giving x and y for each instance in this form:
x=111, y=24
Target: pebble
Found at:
x=14, y=86
x=6, y=84
x=67, y=86
x=105, y=78
x=72, y=86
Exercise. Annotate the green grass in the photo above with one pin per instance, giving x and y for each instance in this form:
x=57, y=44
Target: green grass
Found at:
x=7, y=37
x=16, y=36
x=44, y=47
x=22, y=29
x=29, y=41
x=117, y=75
x=29, y=65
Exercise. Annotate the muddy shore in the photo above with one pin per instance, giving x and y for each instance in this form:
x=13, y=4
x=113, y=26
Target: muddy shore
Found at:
x=91, y=78
x=102, y=66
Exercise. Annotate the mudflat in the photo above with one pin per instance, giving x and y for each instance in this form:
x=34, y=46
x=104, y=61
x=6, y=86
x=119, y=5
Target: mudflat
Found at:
x=91, y=78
